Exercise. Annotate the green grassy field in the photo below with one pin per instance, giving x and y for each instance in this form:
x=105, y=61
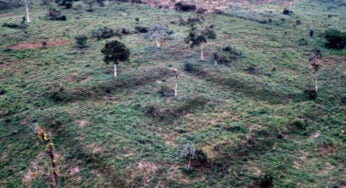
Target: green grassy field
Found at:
x=121, y=132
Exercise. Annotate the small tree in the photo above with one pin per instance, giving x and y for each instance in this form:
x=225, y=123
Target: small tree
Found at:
x=50, y=152
x=198, y=35
x=159, y=34
x=176, y=75
x=115, y=51
x=188, y=153
x=315, y=65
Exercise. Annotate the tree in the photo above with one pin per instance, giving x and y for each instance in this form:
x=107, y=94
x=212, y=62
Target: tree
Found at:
x=159, y=34
x=198, y=35
x=176, y=75
x=115, y=51
x=315, y=65
x=27, y=10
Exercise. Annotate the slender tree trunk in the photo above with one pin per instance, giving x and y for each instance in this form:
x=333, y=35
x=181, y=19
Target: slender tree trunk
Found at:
x=221, y=45
x=27, y=10
x=176, y=89
x=157, y=42
x=115, y=70
x=215, y=62
x=316, y=86
x=290, y=6
x=107, y=2
x=189, y=164
x=202, y=51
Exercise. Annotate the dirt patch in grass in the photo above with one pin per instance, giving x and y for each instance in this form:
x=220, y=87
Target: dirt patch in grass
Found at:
x=326, y=149
x=148, y=169
x=35, y=45
x=334, y=60
x=38, y=168
x=83, y=123
x=74, y=170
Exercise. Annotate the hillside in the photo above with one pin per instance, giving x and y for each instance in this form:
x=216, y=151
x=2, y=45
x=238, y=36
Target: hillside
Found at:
x=249, y=120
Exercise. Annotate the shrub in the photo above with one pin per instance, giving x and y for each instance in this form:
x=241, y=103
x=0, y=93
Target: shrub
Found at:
x=141, y=29
x=287, y=12
x=228, y=56
x=188, y=67
x=210, y=34
x=188, y=153
x=5, y=5
x=103, y=33
x=184, y=7
x=311, y=93
x=166, y=91
x=57, y=92
x=81, y=41
x=266, y=181
x=14, y=25
x=54, y=14
x=335, y=39
x=2, y=91
x=302, y=42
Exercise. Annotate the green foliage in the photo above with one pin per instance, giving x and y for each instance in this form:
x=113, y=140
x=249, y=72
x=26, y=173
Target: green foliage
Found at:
x=15, y=26
x=243, y=129
x=194, y=39
x=103, y=33
x=335, y=39
x=115, y=52
x=81, y=41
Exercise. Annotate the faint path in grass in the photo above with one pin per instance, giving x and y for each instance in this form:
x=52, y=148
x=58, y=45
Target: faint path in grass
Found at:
x=34, y=45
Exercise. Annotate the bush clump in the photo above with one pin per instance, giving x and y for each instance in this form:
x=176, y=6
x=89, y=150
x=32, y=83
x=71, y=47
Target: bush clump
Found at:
x=287, y=12
x=14, y=25
x=184, y=7
x=103, y=33
x=54, y=14
x=228, y=56
x=335, y=39
x=311, y=93
x=141, y=29
x=81, y=41
x=57, y=92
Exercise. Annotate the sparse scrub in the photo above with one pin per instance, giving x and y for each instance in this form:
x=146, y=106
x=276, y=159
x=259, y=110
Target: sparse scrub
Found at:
x=227, y=56
x=198, y=35
x=159, y=34
x=103, y=33
x=54, y=14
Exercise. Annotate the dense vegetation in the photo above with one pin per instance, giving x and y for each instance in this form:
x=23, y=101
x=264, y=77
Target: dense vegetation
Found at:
x=248, y=121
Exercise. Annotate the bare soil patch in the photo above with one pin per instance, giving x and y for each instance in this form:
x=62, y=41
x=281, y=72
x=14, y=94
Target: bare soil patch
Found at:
x=334, y=60
x=35, y=45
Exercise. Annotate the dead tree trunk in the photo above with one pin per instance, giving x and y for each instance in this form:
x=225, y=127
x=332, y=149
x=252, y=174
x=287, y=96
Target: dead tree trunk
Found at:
x=27, y=11
x=202, y=51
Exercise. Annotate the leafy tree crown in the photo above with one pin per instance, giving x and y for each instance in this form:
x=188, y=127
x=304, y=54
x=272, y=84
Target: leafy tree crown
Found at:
x=115, y=51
